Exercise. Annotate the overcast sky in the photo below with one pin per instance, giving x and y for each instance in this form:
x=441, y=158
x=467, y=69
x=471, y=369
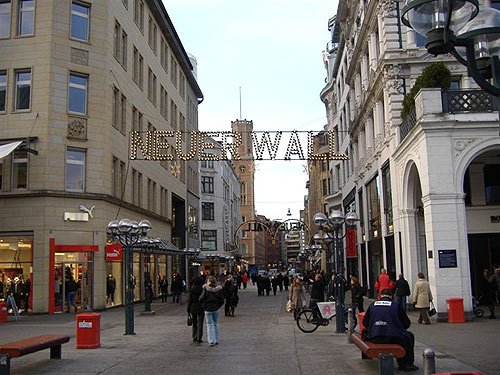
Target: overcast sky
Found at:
x=272, y=49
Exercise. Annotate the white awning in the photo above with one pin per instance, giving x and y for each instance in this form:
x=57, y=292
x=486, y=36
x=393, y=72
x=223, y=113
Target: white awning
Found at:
x=8, y=148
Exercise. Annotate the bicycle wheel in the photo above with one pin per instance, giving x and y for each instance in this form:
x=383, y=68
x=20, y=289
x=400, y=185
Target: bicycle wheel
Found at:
x=307, y=322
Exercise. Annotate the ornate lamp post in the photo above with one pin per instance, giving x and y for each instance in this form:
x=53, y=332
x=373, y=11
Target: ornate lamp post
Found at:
x=459, y=27
x=332, y=228
x=128, y=233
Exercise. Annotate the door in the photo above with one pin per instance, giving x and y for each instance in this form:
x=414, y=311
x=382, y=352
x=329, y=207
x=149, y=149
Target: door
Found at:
x=81, y=270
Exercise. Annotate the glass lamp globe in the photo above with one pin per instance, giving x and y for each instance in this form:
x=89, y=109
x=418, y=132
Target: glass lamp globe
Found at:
x=125, y=226
x=320, y=220
x=336, y=217
x=113, y=226
x=351, y=218
x=144, y=226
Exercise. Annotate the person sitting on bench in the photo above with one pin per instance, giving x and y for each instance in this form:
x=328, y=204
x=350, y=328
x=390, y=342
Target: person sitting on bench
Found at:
x=386, y=322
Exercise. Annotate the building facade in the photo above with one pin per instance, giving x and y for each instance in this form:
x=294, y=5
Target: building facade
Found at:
x=75, y=78
x=425, y=188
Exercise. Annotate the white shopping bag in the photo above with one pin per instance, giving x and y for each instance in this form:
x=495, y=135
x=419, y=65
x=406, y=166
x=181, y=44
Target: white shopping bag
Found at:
x=327, y=309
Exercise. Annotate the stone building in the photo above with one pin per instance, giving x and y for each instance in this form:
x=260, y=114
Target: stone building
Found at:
x=426, y=188
x=75, y=78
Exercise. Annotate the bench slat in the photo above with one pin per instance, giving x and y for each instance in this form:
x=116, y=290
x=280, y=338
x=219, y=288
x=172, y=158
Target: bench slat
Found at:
x=32, y=344
x=373, y=350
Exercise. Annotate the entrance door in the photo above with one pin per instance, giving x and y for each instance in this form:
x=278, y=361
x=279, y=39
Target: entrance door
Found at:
x=81, y=271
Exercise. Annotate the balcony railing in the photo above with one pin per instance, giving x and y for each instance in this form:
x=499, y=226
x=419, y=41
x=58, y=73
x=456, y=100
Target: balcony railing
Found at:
x=408, y=123
x=460, y=101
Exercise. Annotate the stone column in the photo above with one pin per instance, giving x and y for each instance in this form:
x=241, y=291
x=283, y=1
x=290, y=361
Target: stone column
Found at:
x=369, y=132
x=372, y=44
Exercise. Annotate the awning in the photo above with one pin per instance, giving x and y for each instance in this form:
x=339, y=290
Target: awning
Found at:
x=8, y=148
x=210, y=254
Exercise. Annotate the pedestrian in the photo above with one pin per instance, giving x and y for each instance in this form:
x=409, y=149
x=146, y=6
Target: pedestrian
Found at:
x=244, y=280
x=383, y=282
x=260, y=285
x=280, y=280
x=402, y=290
x=226, y=290
x=71, y=288
x=267, y=284
x=164, y=288
x=211, y=300
x=357, y=293
x=489, y=291
x=497, y=279
x=194, y=308
x=274, y=283
x=297, y=296
x=286, y=281
x=176, y=288
x=422, y=298
x=387, y=322
x=318, y=287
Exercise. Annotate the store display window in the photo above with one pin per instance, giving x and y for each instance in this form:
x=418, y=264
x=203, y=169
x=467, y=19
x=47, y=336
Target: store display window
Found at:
x=114, y=286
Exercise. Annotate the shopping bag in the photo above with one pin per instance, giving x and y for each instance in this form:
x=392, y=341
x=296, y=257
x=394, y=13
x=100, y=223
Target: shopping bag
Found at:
x=289, y=307
x=189, y=320
x=432, y=310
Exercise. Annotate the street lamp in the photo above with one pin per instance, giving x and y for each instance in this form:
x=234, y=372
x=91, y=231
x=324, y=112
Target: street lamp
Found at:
x=128, y=233
x=332, y=227
x=460, y=28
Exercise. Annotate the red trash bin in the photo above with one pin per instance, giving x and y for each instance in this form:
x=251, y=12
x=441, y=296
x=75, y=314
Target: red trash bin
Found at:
x=88, y=331
x=455, y=310
x=3, y=312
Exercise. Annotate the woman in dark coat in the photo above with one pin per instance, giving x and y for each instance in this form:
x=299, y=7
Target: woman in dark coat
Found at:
x=317, y=291
x=194, y=308
x=489, y=290
x=402, y=291
x=356, y=295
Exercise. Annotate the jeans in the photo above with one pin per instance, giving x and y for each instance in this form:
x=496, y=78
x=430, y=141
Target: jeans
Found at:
x=212, y=318
x=70, y=301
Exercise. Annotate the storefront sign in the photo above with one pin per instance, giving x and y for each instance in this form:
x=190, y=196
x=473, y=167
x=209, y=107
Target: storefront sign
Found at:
x=76, y=216
x=350, y=242
x=114, y=252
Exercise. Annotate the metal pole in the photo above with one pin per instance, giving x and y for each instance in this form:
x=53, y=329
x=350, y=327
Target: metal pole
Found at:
x=147, y=285
x=429, y=361
x=350, y=324
x=386, y=364
x=129, y=289
x=339, y=288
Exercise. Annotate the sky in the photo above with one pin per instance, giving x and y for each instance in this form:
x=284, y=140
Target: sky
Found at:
x=270, y=51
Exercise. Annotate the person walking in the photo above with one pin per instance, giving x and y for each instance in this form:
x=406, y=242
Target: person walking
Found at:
x=194, y=308
x=164, y=288
x=71, y=288
x=357, y=293
x=489, y=290
x=383, y=282
x=402, y=289
x=497, y=279
x=244, y=280
x=176, y=288
x=297, y=295
x=211, y=300
x=422, y=298
x=227, y=290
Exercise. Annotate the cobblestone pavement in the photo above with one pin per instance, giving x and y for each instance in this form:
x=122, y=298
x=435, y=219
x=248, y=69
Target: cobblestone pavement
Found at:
x=261, y=339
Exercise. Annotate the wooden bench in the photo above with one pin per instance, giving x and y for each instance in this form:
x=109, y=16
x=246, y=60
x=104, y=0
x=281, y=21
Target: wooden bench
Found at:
x=372, y=350
x=30, y=345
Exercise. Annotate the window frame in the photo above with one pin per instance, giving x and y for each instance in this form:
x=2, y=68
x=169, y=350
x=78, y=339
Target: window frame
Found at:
x=19, y=161
x=20, y=13
x=207, y=184
x=83, y=168
x=10, y=19
x=16, y=88
x=77, y=86
x=208, y=211
x=5, y=86
x=87, y=16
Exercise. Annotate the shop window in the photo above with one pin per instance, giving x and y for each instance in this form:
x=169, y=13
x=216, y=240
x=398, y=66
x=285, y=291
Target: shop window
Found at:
x=5, y=14
x=23, y=89
x=77, y=93
x=80, y=20
x=26, y=18
x=75, y=170
x=20, y=170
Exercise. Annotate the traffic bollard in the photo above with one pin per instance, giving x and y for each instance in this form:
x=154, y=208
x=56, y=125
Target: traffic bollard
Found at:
x=429, y=361
x=385, y=364
x=350, y=324
x=4, y=364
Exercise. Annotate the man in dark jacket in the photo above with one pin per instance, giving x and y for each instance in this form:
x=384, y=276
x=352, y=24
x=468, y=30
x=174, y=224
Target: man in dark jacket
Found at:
x=194, y=308
x=386, y=322
x=211, y=300
x=402, y=291
x=317, y=291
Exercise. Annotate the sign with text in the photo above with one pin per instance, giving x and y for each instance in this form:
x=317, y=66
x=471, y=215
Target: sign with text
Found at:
x=350, y=243
x=114, y=252
x=447, y=258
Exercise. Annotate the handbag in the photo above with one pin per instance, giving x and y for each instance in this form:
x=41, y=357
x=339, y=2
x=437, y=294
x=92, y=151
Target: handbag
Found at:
x=189, y=320
x=432, y=310
x=289, y=307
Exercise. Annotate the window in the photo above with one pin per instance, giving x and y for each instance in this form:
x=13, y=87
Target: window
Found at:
x=3, y=89
x=207, y=164
x=192, y=222
x=455, y=83
x=492, y=184
x=163, y=102
x=139, y=14
x=123, y=115
x=136, y=187
x=118, y=177
x=387, y=193
x=173, y=115
x=77, y=93
x=243, y=192
x=164, y=202
x=26, y=17
x=207, y=184
x=164, y=55
x=137, y=120
x=152, y=34
x=123, y=58
x=119, y=110
x=209, y=240
x=173, y=71
x=20, y=169
x=23, y=89
x=117, y=41
x=207, y=211
x=75, y=170
x=5, y=11
x=135, y=66
x=182, y=87
x=80, y=14
x=152, y=87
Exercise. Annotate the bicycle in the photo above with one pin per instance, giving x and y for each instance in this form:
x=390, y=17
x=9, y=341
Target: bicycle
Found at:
x=309, y=319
